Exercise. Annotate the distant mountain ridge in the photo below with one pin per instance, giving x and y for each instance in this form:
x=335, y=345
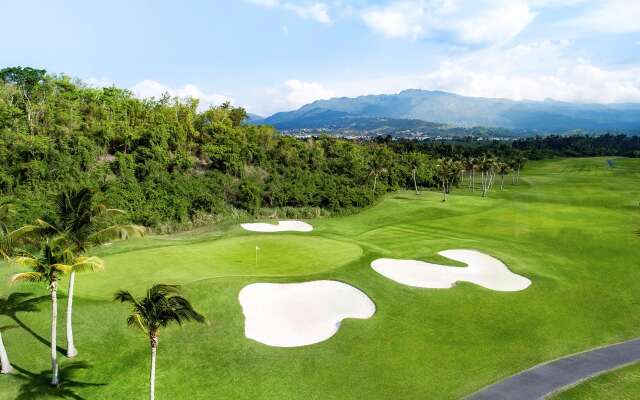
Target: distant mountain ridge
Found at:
x=441, y=110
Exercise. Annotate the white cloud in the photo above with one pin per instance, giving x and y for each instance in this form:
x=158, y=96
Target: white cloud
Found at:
x=533, y=71
x=495, y=25
x=317, y=11
x=301, y=93
x=266, y=3
x=612, y=16
x=485, y=21
x=150, y=88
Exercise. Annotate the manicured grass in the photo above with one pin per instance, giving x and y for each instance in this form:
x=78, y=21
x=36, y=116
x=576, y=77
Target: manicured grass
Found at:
x=569, y=227
x=622, y=384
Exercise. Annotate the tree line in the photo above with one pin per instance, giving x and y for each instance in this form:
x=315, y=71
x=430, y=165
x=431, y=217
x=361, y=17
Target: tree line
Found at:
x=171, y=165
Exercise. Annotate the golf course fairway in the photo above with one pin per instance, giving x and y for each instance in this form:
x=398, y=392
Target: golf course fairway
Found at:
x=569, y=227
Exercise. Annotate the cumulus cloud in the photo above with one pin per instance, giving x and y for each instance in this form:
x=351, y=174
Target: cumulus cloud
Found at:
x=611, y=16
x=484, y=21
x=154, y=89
x=532, y=71
x=317, y=11
x=301, y=93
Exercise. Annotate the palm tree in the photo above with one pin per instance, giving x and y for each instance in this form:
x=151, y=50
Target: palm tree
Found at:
x=48, y=267
x=162, y=306
x=446, y=171
x=416, y=161
x=487, y=166
x=503, y=169
x=519, y=162
x=474, y=164
x=84, y=225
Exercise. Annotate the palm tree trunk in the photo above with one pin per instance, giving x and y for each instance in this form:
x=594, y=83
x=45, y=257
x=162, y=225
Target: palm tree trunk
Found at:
x=152, y=376
x=4, y=358
x=415, y=184
x=473, y=180
x=71, y=348
x=54, y=326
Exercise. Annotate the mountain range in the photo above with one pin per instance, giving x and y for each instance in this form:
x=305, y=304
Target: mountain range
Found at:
x=422, y=112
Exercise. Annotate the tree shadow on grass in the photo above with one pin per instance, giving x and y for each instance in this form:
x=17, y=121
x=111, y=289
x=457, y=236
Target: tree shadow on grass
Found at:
x=37, y=386
x=16, y=303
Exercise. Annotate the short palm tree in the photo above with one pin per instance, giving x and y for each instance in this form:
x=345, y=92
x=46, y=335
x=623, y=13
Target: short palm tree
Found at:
x=48, y=266
x=84, y=225
x=161, y=306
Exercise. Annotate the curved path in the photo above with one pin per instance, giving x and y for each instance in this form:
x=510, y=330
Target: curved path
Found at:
x=545, y=379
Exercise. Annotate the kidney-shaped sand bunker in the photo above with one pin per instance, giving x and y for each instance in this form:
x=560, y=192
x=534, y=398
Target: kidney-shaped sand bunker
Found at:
x=481, y=269
x=300, y=314
x=281, y=226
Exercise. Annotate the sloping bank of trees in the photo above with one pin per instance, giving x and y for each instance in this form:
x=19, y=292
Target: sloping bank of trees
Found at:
x=166, y=163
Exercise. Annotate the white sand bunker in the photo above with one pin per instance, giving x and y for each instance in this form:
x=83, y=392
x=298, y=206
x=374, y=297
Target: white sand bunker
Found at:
x=482, y=270
x=300, y=314
x=281, y=226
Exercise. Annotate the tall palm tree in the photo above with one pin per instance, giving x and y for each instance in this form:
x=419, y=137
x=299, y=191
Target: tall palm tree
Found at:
x=446, y=170
x=475, y=163
x=503, y=169
x=84, y=225
x=519, y=162
x=48, y=266
x=161, y=306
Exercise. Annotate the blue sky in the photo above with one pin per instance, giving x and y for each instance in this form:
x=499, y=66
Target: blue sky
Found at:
x=274, y=55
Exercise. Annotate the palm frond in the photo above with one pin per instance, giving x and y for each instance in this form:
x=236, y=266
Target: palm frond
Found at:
x=87, y=264
x=24, y=261
x=117, y=231
x=135, y=320
x=28, y=277
x=123, y=297
x=63, y=268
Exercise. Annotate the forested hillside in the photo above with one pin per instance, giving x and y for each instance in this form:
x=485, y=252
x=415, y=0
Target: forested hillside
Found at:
x=165, y=162
x=171, y=166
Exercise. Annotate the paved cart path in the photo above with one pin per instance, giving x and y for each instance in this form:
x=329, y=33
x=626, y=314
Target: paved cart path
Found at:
x=545, y=379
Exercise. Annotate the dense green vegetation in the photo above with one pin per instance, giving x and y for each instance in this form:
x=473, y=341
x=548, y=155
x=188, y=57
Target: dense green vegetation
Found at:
x=172, y=166
x=620, y=384
x=569, y=226
x=165, y=162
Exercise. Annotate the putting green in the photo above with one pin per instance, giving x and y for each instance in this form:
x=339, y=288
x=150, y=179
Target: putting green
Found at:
x=278, y=255
x=570, y=227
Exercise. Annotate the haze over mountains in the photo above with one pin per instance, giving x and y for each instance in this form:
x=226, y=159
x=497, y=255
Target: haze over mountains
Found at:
x=413, y=111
